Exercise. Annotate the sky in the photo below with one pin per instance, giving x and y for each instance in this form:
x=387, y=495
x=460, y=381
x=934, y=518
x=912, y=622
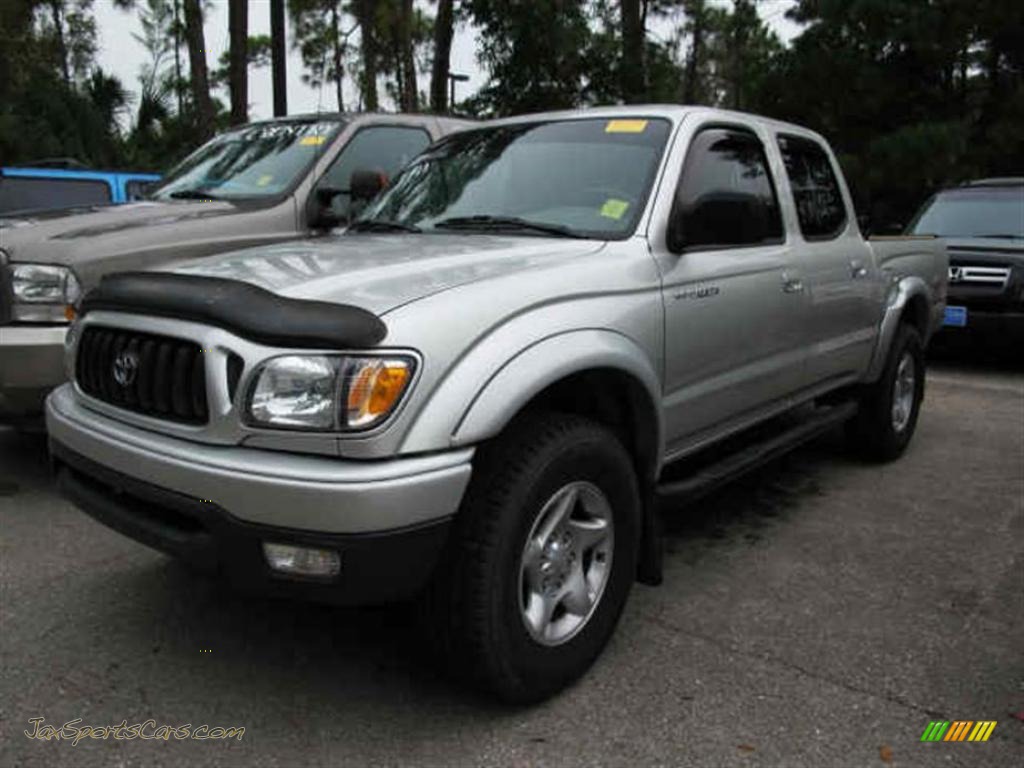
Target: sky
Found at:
x=122, y=55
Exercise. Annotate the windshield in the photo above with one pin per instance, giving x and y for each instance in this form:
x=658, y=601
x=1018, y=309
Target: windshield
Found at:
x=575, y=178
x=255, y=161
x=996, y=212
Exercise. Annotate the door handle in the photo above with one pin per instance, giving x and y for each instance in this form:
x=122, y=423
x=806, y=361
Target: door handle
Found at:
x=858, y=270
x=791, y=284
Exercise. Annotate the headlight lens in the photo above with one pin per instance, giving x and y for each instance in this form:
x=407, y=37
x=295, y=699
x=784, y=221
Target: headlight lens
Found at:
x=43, y=293
x=328, y=392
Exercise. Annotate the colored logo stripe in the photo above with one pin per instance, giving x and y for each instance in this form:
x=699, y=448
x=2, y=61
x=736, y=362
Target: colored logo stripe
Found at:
x=958, y=730
x=982, y=730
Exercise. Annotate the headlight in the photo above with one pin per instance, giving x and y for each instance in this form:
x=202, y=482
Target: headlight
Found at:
x=327, y=392
x=43, y=293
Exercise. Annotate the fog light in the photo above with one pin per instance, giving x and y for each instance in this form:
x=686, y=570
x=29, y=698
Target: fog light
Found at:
x=302, y=561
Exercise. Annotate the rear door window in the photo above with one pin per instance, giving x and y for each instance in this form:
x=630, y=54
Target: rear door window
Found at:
x=21, y=193
x=819, y=203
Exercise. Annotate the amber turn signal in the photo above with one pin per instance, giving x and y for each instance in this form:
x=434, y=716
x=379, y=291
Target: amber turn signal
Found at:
x=375, y=386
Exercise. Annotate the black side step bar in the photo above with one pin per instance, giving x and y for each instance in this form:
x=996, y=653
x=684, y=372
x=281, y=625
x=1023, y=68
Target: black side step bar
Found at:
x=750, y=454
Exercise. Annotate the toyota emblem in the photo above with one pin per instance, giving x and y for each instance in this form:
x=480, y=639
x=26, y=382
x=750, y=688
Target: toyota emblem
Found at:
x=126, y=368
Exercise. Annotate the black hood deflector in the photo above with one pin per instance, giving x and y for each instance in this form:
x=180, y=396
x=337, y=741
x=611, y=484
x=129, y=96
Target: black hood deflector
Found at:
x=241, y=308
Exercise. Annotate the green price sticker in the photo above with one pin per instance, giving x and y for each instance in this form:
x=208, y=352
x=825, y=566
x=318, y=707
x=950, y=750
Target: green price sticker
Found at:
x=613, y=208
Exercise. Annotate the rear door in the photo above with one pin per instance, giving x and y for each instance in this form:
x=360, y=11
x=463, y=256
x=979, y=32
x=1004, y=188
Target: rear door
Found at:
x=840, y=312
x=731, y=292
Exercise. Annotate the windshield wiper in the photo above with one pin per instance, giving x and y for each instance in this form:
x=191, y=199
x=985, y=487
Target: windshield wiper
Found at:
x=485, y=223
x=193, y=194
x=382, y=225
x=1000, y=237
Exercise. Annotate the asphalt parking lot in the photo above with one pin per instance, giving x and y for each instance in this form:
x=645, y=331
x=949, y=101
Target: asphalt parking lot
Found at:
x=820, y=612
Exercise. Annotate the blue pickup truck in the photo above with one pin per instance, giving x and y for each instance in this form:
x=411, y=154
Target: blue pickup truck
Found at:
x=24, y=190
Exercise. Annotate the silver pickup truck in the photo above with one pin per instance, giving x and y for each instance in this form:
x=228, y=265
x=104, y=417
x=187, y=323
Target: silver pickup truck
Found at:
x=257, y=184
x=547, y=329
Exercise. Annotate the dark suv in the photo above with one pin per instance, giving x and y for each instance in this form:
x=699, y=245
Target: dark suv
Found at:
x=983, y=224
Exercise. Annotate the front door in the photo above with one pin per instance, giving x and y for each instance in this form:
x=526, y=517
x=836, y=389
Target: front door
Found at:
x=732, y=294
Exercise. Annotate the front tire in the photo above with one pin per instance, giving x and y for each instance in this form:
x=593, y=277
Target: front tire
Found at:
x=542, y=557
x=888, y=410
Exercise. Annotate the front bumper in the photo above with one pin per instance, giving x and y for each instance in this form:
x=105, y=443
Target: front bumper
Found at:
x=31, y=364
x=991, y=326
x=213, y=506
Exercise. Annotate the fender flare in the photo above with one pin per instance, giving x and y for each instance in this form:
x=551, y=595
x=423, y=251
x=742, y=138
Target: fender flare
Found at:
x=512, y=385
x=901, y=293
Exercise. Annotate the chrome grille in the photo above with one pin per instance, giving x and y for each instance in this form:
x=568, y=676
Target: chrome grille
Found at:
x=154, y=375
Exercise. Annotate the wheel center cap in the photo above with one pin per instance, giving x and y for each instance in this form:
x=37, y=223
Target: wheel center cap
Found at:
x=558, y=555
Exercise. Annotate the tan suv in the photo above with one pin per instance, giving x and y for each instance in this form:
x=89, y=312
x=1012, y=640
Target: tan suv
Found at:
x=257, y=184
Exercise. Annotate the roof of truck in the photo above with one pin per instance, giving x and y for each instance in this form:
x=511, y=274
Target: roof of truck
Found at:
x=674, y=112
x=305, y=117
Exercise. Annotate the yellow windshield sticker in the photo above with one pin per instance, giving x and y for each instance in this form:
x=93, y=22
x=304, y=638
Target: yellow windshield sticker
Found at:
x=263, y=180
x=312, y=141
x=625, y=126
x=613, y=208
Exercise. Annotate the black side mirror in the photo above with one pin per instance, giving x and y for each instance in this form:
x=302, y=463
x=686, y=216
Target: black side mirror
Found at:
x=366, y=185
x=320, y=213
x=325, y=195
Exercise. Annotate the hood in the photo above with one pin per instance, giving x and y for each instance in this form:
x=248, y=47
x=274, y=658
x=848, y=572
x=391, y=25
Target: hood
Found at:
x=381, y=272
x=56, y=236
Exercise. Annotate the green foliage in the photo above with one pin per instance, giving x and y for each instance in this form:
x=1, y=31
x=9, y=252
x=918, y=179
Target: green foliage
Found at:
x=913, y=94
x=42, y=114
x=535, y=53
x=257, y=53
x=321, y=33
x=67, y=30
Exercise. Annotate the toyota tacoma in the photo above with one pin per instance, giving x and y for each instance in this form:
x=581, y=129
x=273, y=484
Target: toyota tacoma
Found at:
x=545, y=330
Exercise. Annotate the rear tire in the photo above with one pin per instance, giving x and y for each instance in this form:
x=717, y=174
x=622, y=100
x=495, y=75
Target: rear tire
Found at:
x=888, y=410
x=542, y=557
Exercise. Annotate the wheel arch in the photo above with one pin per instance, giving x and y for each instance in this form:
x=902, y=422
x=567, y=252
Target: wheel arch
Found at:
x=596, y=373
x=909, y=302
